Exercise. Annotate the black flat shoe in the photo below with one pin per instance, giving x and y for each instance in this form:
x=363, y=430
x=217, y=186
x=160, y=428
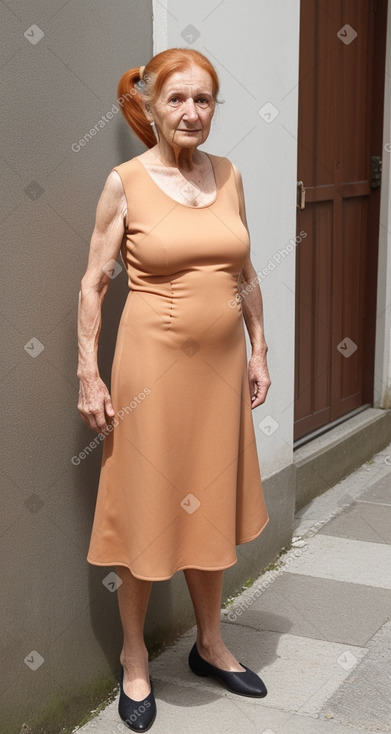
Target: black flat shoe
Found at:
x=245, y=683
x=137, y=715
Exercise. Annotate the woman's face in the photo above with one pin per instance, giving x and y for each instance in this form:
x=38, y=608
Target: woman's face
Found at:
x=184, y=109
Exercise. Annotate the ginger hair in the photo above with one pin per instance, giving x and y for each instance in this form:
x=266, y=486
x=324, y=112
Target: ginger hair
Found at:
x=134, y=92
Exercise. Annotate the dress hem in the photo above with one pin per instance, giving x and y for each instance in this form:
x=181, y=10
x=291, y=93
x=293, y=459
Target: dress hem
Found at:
x=248, y=540
x=161, y=578
x=182, y=568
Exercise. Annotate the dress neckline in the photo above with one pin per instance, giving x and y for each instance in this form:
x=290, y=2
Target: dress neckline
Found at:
x=188, y=206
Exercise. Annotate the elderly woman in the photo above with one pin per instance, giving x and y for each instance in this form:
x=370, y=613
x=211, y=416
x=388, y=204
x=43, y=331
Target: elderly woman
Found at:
x=180, y=485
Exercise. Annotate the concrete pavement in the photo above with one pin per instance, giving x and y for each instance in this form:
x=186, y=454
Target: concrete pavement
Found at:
x=316, y=627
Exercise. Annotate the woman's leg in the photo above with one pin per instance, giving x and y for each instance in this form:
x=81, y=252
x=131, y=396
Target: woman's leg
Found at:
x=205, y=589
x=133, y=597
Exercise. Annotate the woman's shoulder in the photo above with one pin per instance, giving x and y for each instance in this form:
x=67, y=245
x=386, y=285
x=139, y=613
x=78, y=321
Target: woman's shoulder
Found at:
x=126, y=165
x=127, y=172
x=223, y=162
x=218, y=159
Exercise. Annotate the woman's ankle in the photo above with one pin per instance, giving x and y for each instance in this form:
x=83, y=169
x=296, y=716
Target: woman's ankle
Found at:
x=137, y=657
x=208, y=641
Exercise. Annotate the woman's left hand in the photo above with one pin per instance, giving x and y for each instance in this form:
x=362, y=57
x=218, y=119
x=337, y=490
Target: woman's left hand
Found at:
x=259, y=379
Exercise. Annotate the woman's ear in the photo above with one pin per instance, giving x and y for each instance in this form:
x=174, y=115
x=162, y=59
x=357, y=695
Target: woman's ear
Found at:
x=148, y=113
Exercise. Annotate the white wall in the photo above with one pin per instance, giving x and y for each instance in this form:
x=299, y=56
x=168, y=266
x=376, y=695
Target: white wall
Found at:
x=382, y=396
x=254, y=46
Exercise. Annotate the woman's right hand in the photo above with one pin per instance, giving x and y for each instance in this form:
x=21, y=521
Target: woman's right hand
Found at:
x=95, y=404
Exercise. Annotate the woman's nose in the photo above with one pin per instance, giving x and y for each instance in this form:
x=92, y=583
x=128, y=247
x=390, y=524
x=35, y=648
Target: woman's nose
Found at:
x=190, y=111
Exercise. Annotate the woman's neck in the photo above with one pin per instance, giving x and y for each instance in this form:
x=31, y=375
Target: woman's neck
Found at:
x=172, y=156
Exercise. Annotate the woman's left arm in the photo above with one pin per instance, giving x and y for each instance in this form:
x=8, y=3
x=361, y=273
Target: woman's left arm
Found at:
x=252, y=306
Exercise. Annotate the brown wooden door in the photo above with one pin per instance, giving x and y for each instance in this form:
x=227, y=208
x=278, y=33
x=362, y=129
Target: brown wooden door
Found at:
x=341, y=80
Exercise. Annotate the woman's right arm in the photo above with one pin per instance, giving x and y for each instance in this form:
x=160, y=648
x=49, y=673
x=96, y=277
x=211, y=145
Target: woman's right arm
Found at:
x=95, y=404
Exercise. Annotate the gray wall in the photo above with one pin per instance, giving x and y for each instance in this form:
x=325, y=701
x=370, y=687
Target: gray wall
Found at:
x=52, y=93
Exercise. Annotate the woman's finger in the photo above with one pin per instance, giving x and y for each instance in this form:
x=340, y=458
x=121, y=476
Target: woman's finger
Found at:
x=109, y=407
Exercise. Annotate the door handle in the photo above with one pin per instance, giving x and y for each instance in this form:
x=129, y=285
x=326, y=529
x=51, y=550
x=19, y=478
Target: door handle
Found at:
x=300, y=203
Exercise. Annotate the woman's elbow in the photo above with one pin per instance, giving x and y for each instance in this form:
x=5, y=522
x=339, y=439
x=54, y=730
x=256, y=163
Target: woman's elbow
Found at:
x=93, y=282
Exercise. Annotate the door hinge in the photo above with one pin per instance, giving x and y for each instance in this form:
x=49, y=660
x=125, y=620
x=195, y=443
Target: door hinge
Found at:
x=376, y=169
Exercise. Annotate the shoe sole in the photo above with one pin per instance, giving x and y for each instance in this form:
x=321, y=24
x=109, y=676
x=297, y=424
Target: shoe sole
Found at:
x=223, y=682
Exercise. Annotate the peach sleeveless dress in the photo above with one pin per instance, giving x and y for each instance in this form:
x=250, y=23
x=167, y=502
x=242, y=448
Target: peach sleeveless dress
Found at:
x=180, y=485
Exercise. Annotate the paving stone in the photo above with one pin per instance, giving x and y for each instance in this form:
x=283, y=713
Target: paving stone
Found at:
x=379, y=492
x=342, y=559
x=364, y=697
x=357, y=485
x=194, y=712
x=362, y=521
x=313, y=607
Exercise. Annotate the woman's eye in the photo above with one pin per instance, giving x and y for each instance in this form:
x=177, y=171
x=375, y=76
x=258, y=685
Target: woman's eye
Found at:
x=203, y=101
